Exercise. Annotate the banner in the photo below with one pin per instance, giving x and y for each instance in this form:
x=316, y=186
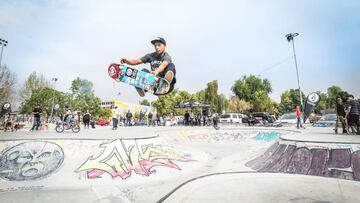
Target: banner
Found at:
x=5, y=108
x=312, y=101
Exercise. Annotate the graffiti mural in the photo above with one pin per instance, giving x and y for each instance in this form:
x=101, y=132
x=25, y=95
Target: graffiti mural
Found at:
x=30, y=160
x=120, y=158
x=226, y=136
x=267, y=136
x=329, y=160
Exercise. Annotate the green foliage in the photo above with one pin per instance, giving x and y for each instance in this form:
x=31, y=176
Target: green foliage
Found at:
x=222, y=103
x=246, y=87
x=289, y=100
x=211, y=95
x=199, y=96
x=255, y=91
x=44, y=97
x=237, y=105
x=322, y=103
x=217, y=102
x=7, y=85
x=165, y=103
x=82, y=88
x=34, y=82
x=105, y=113
x=145, y=102
x=83, y=97
x=333, y=93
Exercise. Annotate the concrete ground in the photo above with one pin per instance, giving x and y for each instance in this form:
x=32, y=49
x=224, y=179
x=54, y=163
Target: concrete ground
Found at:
x=179, y=164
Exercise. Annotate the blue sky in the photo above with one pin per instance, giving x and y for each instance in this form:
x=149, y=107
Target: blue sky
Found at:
x=208, y=40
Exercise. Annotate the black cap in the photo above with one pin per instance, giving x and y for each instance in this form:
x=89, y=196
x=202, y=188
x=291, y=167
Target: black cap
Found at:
x=158, y=39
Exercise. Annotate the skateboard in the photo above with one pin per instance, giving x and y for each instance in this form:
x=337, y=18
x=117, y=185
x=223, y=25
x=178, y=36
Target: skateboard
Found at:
x=139, y=79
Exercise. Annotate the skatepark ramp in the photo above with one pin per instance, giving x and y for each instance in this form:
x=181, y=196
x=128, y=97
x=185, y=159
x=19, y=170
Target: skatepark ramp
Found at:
x=161, y=164
x=339, y=157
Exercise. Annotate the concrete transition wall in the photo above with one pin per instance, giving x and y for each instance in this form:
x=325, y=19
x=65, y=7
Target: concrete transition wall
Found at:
x=54, y=162
x=319, y=159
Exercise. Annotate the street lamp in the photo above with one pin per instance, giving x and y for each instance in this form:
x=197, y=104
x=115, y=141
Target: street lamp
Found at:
x=290, y=37
x=3, y=44
x=53, y=100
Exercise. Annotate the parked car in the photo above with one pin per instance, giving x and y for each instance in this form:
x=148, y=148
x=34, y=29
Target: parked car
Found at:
x=288, y=118
x=327, y=120
x=259, y=116
x=102, y=122
x=170, y=122
x=232, y=118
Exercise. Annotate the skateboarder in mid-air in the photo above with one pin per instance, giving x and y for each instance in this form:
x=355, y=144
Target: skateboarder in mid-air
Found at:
x=160, y=62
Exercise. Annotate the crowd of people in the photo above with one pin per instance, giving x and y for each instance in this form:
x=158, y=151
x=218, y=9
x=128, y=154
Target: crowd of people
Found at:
x=348, y=114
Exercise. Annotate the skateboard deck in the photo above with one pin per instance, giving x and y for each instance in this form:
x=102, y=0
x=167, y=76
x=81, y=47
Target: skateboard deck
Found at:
x=139, y=79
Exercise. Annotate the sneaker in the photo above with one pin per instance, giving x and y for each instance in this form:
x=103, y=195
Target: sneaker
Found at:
x=140, y=92
x=169, y=76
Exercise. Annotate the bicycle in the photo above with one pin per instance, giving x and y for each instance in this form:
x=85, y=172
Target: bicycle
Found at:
x=61, y=126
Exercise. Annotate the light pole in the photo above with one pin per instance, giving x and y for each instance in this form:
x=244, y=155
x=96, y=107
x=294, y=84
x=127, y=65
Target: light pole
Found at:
x=53, y=100
x=290, y=37
x=3, y=44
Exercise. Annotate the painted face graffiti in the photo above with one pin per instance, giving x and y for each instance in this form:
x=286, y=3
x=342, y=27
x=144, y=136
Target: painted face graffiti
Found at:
x=120, y=160
x=30, y=160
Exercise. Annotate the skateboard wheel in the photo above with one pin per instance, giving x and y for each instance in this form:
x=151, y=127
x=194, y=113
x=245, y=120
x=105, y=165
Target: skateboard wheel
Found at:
x=129, y=72
x=113, y=71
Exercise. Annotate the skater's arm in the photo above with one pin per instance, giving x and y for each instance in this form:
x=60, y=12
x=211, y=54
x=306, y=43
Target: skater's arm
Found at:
x=161, y=68
x=131, y=61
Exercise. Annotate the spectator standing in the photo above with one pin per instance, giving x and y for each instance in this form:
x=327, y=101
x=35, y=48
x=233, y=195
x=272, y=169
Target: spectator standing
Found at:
x=86, y=119
x=187, y=118
x=353, y=114
x=128, y=118
x=8, y=121
x=115, y=118
x=298, y=117
x=150, y=118
x=37, y=115
x=341, y=115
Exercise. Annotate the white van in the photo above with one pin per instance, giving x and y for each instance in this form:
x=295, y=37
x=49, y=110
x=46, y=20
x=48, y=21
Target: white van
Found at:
x=232, y=118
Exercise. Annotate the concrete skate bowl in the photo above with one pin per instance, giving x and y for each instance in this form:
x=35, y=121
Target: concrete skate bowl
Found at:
x=246, y=186
x=129, y=169
x=336, y=159
x=37, y=169
x=227, y=135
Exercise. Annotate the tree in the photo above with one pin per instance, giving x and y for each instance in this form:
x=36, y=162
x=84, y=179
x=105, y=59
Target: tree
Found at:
x=105, y=113
x=83, y=96
x=211, y=96
x=256, y=92
x=322, y=103
x=7, y=85
x=246, y=87
x=32, y=83
x=43, y=97
x=222, y=103
x=199, y=96
x=333, y=93
x=289, y=100
x=237, y=105
x=165, y=103
x=145, y=102
x=82, y=88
